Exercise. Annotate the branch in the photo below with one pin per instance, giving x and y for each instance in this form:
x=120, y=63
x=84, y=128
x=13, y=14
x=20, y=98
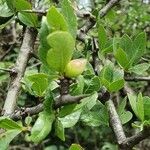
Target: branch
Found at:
x=80, y=14
x=107, y=7
x=115, y=123
x=20, y=66
x=41, y=12
x=23, y=112
x=128, y=89
x=64, y=100
x=137, y=79
x=6, y=53
x=11, y=71
x=135, y=139
x=82, y=32
x=59, y=102
x=68, y=99
x=91, y=19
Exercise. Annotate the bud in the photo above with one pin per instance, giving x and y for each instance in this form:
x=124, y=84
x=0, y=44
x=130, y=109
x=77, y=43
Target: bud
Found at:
x=75, y=67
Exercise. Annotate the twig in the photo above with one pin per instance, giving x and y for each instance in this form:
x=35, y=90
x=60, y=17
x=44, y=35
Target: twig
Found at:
x=91, y=22
x=128, y=89
x=115, y=123
x=59, y=102
x=135, y=79
x=91, y=19
x=65, y=100
x=20, y=66
x=41, y=12
x=35, y=65
x=11, y=71
x=107, y=7
x=68, y=99
x=23, y=112
x=81, y=14
x=135, y=139
x=9, y=49
x=94, y=55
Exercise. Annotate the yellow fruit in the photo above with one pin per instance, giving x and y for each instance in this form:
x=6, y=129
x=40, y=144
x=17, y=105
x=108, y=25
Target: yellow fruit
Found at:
x=75, y=67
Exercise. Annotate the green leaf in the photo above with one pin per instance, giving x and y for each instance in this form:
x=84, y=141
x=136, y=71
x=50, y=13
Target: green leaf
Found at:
x=116, y=85
x=103, y=114
x=56, y=20
x=105, y=82
x=122, y=58
x=6, y=15
x=44, y=46
x=48, y=102
x=5, y=12
x=7, y=137
x=52, y=76
x=126, y=45
x=7, y=123
x=140, y=69
x=111, y=15
x=42, y=127
x=28, y=120
x=87, y=102
x=77, y=88
x=109, y=146
x=71, y=119
x=137, y=105
x=122, y=106
x=140, y=107
x=89, y=72
x=28, y=83
x=116, y=43
x=60, y=54
x=10, y=4
x=139, y=47
x=91, y=118
x=75, y=147
x=93, y=85
x=125, y=117
x=146, y=123
x=22, y=5
x=59, y=130
x=52, y=147
x=132, y=100
x=102, y=37
x=107, y=73
x=112, y=78
x=39, y=83
x=70, y=17
x=146, y=101
x=108, y=48
x=29, y=19
x=66, y=110
x=129, y=51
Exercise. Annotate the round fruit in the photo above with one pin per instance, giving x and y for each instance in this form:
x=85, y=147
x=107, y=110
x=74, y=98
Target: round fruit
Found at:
x=75, y=67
